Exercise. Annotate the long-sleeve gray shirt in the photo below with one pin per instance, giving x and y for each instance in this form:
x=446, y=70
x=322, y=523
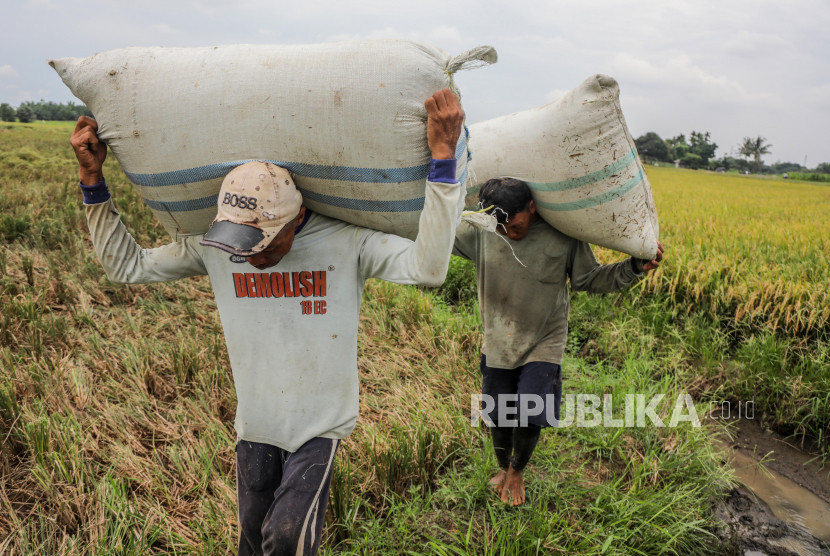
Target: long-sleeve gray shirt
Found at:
x=291, y=330
x=524, y=310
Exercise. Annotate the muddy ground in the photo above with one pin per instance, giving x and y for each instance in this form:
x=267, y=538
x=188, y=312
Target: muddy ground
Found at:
x=791, y=457
x=749, y=526
x=750, y=529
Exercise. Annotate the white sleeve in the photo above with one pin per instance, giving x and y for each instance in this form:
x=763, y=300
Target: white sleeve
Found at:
x=425, y=260
x=125, y=261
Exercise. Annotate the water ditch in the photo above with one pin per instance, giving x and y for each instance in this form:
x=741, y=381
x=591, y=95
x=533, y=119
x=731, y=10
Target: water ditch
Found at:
x=783, y=507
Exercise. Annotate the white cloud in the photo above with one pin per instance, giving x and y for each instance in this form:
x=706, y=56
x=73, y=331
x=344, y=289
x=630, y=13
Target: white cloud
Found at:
x=444, y=36
x=682, y=65
x=38, y=94
x=819, y=95
x=41, y=5
x=165, y=29
x=386, y=33
x=688, y=80
x=756, y=45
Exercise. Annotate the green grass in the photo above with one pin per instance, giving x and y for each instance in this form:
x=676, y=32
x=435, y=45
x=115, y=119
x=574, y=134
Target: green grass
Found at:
x=807, y=176
x=117, y=404
x=741, y=302
x=742, y=298
x=641, y=490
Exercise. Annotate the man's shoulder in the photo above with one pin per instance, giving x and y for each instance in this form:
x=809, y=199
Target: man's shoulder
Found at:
x=319, y=223
x=543, y=242
x=332, y=232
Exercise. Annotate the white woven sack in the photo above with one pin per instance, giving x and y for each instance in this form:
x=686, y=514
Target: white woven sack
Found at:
x=347, y=119
x=581, y=164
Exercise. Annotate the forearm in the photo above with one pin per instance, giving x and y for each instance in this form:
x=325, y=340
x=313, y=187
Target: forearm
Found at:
x=588, y=275
x=436, y=232
x=123, y=259
x=608, y=278
x=425, y=260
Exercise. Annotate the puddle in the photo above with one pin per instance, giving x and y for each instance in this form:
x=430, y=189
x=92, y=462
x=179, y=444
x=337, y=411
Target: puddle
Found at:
x=790, y=502
x=795, y=490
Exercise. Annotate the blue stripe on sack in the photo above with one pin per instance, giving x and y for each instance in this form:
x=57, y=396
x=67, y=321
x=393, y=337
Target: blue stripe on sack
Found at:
x=317, y=171
x=183, y=206
x=336, y=173
x=587, y=179
x=460, y=147
x=463, y=177
x=459, y=152
x=598, y=199
x=404, y=205
x=466, y=140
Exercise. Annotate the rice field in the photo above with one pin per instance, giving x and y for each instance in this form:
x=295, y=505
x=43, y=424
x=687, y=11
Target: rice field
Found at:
x=754, y=251
x=117, y=403
x=746, y=282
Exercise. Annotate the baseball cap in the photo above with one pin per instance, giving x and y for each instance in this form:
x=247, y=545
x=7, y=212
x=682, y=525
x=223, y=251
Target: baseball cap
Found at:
x=256, y=201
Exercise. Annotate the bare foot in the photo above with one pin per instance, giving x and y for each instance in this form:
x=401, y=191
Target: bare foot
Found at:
x=497, y=481
x=513, y=490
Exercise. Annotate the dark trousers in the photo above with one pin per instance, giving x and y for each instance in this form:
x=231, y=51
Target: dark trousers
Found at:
x=514, y=445
x=282, y=496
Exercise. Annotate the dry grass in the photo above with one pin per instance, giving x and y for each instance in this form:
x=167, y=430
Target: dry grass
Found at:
x=117, y=403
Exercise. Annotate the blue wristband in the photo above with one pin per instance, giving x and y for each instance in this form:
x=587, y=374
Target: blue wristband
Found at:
x=442, y=171
x=95, y=194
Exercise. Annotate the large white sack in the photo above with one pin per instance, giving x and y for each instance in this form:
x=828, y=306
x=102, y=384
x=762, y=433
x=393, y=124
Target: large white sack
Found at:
x=347, y=119
x=581, y=164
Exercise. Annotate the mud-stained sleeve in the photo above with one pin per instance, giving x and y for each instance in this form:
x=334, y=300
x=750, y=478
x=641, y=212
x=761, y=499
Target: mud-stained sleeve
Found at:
x=425, y=260
x=125, y=261
x=588, y=275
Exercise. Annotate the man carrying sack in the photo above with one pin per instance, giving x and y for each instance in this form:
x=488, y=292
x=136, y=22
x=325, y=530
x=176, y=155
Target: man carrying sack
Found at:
x=288, y=285
x=524, y=299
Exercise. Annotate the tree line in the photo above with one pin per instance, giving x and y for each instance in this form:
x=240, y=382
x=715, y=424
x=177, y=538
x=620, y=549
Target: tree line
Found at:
x=698, y=152
x=43, y=110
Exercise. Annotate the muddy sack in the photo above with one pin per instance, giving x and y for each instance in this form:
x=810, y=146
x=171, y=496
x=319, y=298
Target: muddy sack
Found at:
x=581, y=164
x=346, y=119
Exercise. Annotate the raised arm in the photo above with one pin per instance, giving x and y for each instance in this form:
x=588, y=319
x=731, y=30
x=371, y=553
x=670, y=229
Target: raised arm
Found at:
x=90, y=152
x=425, y=260
x=444, y=119
x=588, y=275
x=122, y=258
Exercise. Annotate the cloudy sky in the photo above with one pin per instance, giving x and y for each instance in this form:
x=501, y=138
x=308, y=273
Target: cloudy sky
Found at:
x=735, y=68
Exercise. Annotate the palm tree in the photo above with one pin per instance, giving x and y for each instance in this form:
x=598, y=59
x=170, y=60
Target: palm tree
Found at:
x=754, y=148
